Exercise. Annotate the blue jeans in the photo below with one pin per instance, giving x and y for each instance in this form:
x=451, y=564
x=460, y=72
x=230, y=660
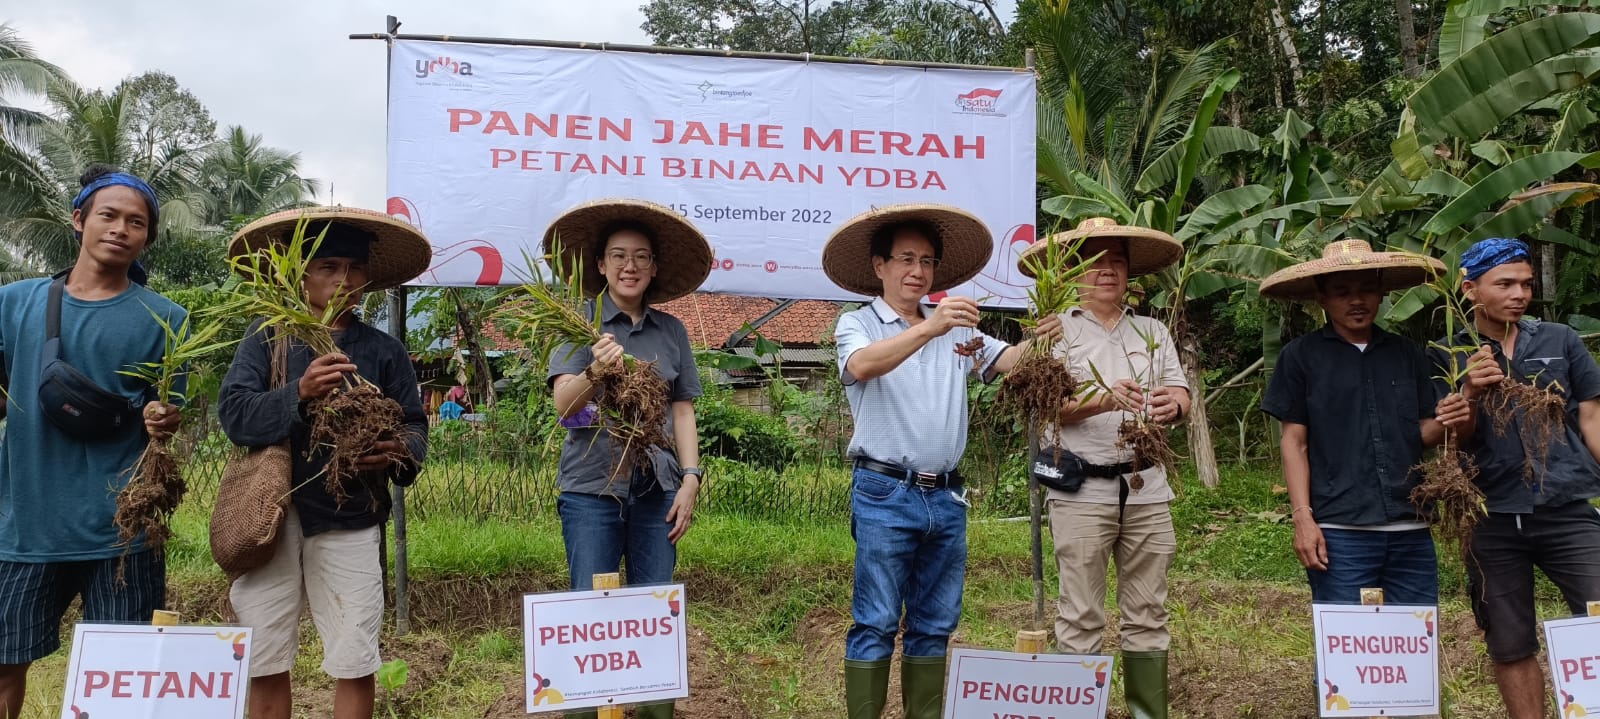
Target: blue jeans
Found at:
x=911, y=551
x=599, y=531
x=1403, y=564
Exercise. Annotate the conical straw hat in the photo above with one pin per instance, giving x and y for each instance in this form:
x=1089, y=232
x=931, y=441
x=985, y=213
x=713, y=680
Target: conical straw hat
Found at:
x=683, y=256
x=847, y=258
x=1400, y=270
x=1148, y=250
x=399, y=250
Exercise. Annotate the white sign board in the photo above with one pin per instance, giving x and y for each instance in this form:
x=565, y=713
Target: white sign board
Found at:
x=490, y=143
x=147, y=672
x=1377, y=660
x=1008, y=685
x=605, y=647
x=1574, y=646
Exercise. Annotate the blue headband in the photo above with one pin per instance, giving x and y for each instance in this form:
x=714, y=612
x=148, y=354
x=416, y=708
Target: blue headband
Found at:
x=136, y=272
x=119, y=178
x=1486, y=255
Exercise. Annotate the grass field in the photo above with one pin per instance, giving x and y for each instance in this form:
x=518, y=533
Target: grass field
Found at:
x=769, y=605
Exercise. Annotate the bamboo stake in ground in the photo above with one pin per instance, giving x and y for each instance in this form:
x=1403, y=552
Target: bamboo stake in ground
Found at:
x=608, y=580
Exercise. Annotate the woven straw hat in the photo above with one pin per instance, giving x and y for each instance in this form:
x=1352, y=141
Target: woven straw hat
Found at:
x=399, y=252
x=683, y=257
x=1148, y=250
x=1400, y=270
x=847, y=258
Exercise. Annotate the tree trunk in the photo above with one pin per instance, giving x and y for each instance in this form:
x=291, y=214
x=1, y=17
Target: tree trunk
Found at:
x=1408, y=38
x=467, y=326
x=1200, y=447
x=1290, y=54
x=1547, y=281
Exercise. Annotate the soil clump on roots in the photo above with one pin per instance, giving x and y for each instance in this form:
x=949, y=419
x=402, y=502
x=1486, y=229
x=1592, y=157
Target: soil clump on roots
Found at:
x=632, y=398
x=350, y=421
x=1148, y=442
x=154, y=491
x=1035, y=389
x=1540, y=416
x=1448, y=497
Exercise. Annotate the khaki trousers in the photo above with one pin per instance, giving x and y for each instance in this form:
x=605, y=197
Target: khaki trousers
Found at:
x=1087, y=536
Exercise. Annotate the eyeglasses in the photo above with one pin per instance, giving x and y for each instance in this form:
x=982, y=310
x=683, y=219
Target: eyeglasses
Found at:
x=905, y=261
x=641, y=260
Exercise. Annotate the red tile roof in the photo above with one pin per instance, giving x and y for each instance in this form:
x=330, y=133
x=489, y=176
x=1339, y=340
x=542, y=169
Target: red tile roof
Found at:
x=712, y=318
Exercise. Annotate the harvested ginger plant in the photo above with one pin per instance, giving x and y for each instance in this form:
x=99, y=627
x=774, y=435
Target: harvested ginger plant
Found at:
x=634, y=398
x=1448, y=496
x=349, y=422
x=1148, y=443
x=1539, y=413
x=146, y=504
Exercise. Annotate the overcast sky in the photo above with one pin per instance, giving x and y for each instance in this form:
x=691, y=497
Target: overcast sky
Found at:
x=286, y=70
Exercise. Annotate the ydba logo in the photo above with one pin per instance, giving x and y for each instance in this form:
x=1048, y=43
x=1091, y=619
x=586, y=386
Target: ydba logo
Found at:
x=979, y=101
x=443, y=65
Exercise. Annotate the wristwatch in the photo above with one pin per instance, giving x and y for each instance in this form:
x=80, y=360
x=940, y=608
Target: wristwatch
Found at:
x=696, y=471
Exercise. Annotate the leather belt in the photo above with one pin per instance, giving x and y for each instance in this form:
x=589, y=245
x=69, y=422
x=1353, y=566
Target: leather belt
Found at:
x=925, y=480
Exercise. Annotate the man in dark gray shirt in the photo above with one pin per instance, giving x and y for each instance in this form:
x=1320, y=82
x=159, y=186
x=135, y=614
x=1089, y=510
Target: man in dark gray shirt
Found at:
x=1547, y=522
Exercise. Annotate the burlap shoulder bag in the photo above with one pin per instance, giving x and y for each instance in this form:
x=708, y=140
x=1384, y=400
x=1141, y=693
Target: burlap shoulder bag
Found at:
x=253, y=496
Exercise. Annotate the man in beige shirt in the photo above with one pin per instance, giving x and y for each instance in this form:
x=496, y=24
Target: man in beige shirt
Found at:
x=1121, y=510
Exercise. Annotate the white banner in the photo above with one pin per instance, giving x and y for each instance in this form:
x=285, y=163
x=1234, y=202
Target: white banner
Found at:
x=1008, y=685
x=605, y=647
x=1574, y=646
x=1377, y=660
x=489, y=143
x=147, y=672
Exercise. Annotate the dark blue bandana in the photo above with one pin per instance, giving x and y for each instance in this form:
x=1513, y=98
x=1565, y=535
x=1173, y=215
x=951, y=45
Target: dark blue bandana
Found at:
x=1486, y=255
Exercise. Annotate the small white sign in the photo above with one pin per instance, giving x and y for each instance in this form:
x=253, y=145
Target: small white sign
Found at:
x=1377, y=660
x=605, y=647
x=1574, y=646
x=1008, y=685
x=141, y=671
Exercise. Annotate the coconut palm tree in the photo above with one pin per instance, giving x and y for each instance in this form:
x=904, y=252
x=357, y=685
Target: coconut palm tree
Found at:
x=243, y=178
x=22, y=73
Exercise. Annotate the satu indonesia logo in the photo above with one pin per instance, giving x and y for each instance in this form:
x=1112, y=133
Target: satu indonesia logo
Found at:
x=979, y=101
x=443, y=65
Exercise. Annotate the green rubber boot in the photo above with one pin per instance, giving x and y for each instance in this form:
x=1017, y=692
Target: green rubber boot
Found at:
x=654, y=711
x=922, y=686
x=866, y=688
x=1144, y=684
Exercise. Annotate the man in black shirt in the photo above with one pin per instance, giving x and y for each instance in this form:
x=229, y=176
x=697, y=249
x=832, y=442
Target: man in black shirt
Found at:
x=1357, y=406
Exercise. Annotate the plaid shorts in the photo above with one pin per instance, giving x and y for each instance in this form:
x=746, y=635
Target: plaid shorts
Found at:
x=35, y=596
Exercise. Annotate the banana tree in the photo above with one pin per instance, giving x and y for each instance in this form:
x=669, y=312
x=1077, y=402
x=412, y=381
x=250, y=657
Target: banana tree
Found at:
x=1454, y=180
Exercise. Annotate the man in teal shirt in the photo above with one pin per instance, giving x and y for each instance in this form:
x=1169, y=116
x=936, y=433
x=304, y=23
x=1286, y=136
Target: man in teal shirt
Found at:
x=58, y=491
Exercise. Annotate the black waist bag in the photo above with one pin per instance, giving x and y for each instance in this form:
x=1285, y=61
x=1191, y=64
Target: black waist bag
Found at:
x=1058, y=469
x=72, y=401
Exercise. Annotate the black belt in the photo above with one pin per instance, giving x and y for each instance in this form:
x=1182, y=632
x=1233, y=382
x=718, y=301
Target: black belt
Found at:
x=926, y=480
x=1107, y=471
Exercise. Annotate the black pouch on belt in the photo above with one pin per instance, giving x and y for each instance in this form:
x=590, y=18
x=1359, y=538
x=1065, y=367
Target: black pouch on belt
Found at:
x=70, y=399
